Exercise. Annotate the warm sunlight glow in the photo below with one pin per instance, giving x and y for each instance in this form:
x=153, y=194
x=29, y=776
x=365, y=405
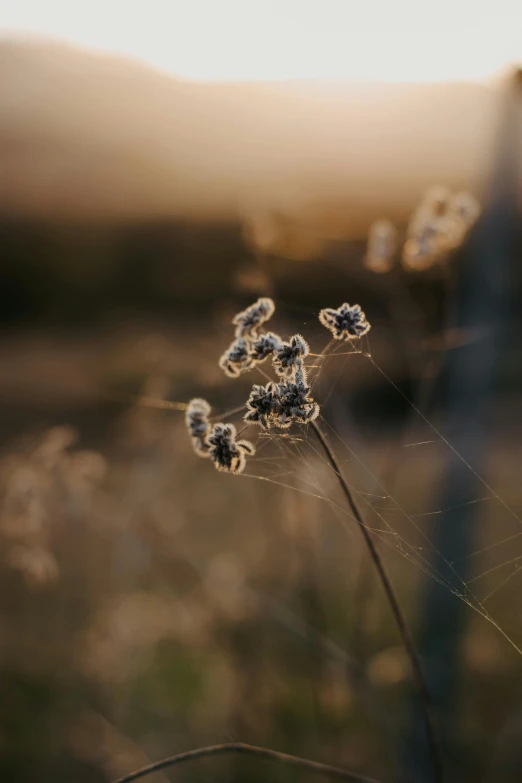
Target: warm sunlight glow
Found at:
x=404, y=40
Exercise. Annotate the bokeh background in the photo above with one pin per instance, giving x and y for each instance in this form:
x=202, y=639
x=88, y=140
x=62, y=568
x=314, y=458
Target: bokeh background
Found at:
x=161, y=167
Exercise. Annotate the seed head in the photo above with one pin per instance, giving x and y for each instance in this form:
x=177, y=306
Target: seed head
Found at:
x=382, y=246
x=228, y=454
x=438, y=226
x=248, y=321
x=196, y=419
x=465, y=207
x=262, y=404
x=429, y=231
x=264, y=346
x=294, y=402
x=289, y=356
x=236, y=359
x=346, y=323
x=423, y=246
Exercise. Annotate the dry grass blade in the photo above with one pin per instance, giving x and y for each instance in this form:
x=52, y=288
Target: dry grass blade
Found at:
x=334, y=773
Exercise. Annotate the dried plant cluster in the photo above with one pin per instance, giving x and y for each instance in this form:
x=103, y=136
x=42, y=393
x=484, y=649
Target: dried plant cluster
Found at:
x=346, y=322
x=35, y=486
x=382, y=246
x=196, y=419
x=437, y=227
x=277, y=404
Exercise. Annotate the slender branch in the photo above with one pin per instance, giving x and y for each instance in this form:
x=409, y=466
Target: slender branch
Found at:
x=248, y=750
x=395, y=608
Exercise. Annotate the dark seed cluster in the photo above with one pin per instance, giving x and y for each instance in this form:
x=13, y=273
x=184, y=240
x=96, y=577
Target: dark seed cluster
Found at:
x=262, y=404
x=346, y=323
x=236, y=359
x=248, y=321
x=278, y=404
x=295, y=401
x=290, y=356
x=196, y=419
x=250, y=347
x=219, y=442
x=264, y=346
x=227, y=453
x=282, y=404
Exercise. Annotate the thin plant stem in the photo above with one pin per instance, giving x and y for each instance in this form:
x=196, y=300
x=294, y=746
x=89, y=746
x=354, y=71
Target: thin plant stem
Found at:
x=334, y=773
x=397, y=612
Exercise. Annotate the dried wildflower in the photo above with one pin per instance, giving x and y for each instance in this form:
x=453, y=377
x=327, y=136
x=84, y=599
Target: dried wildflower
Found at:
x=429, y=231
x=196, y=419
x=282, y=404
x=463, y=211
x=436, y=201
x=236, y=359
x=345, y=323
x=294, y=403
x=227, y=453
x=382, y=246
x=248, y=321
x=438, y=226
x=465, y=208
x=289, y=356
x=264, y=346
x=423, y=247
x=262, y=404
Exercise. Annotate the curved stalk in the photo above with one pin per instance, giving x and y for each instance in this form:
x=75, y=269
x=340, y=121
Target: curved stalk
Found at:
x=397, y=612
x=334, y=773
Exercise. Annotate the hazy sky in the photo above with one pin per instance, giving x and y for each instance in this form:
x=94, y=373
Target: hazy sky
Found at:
x=390, y=40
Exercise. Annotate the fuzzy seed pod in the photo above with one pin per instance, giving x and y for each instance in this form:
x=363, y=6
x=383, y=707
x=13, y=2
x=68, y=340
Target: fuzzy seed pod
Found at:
x=264, y=346
x=228, y=454
x=262, y=405
x=290, y=356
x=248, y=321
x=236, y=359
x=346, y=323
x=295, y=404
x=196, y=419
